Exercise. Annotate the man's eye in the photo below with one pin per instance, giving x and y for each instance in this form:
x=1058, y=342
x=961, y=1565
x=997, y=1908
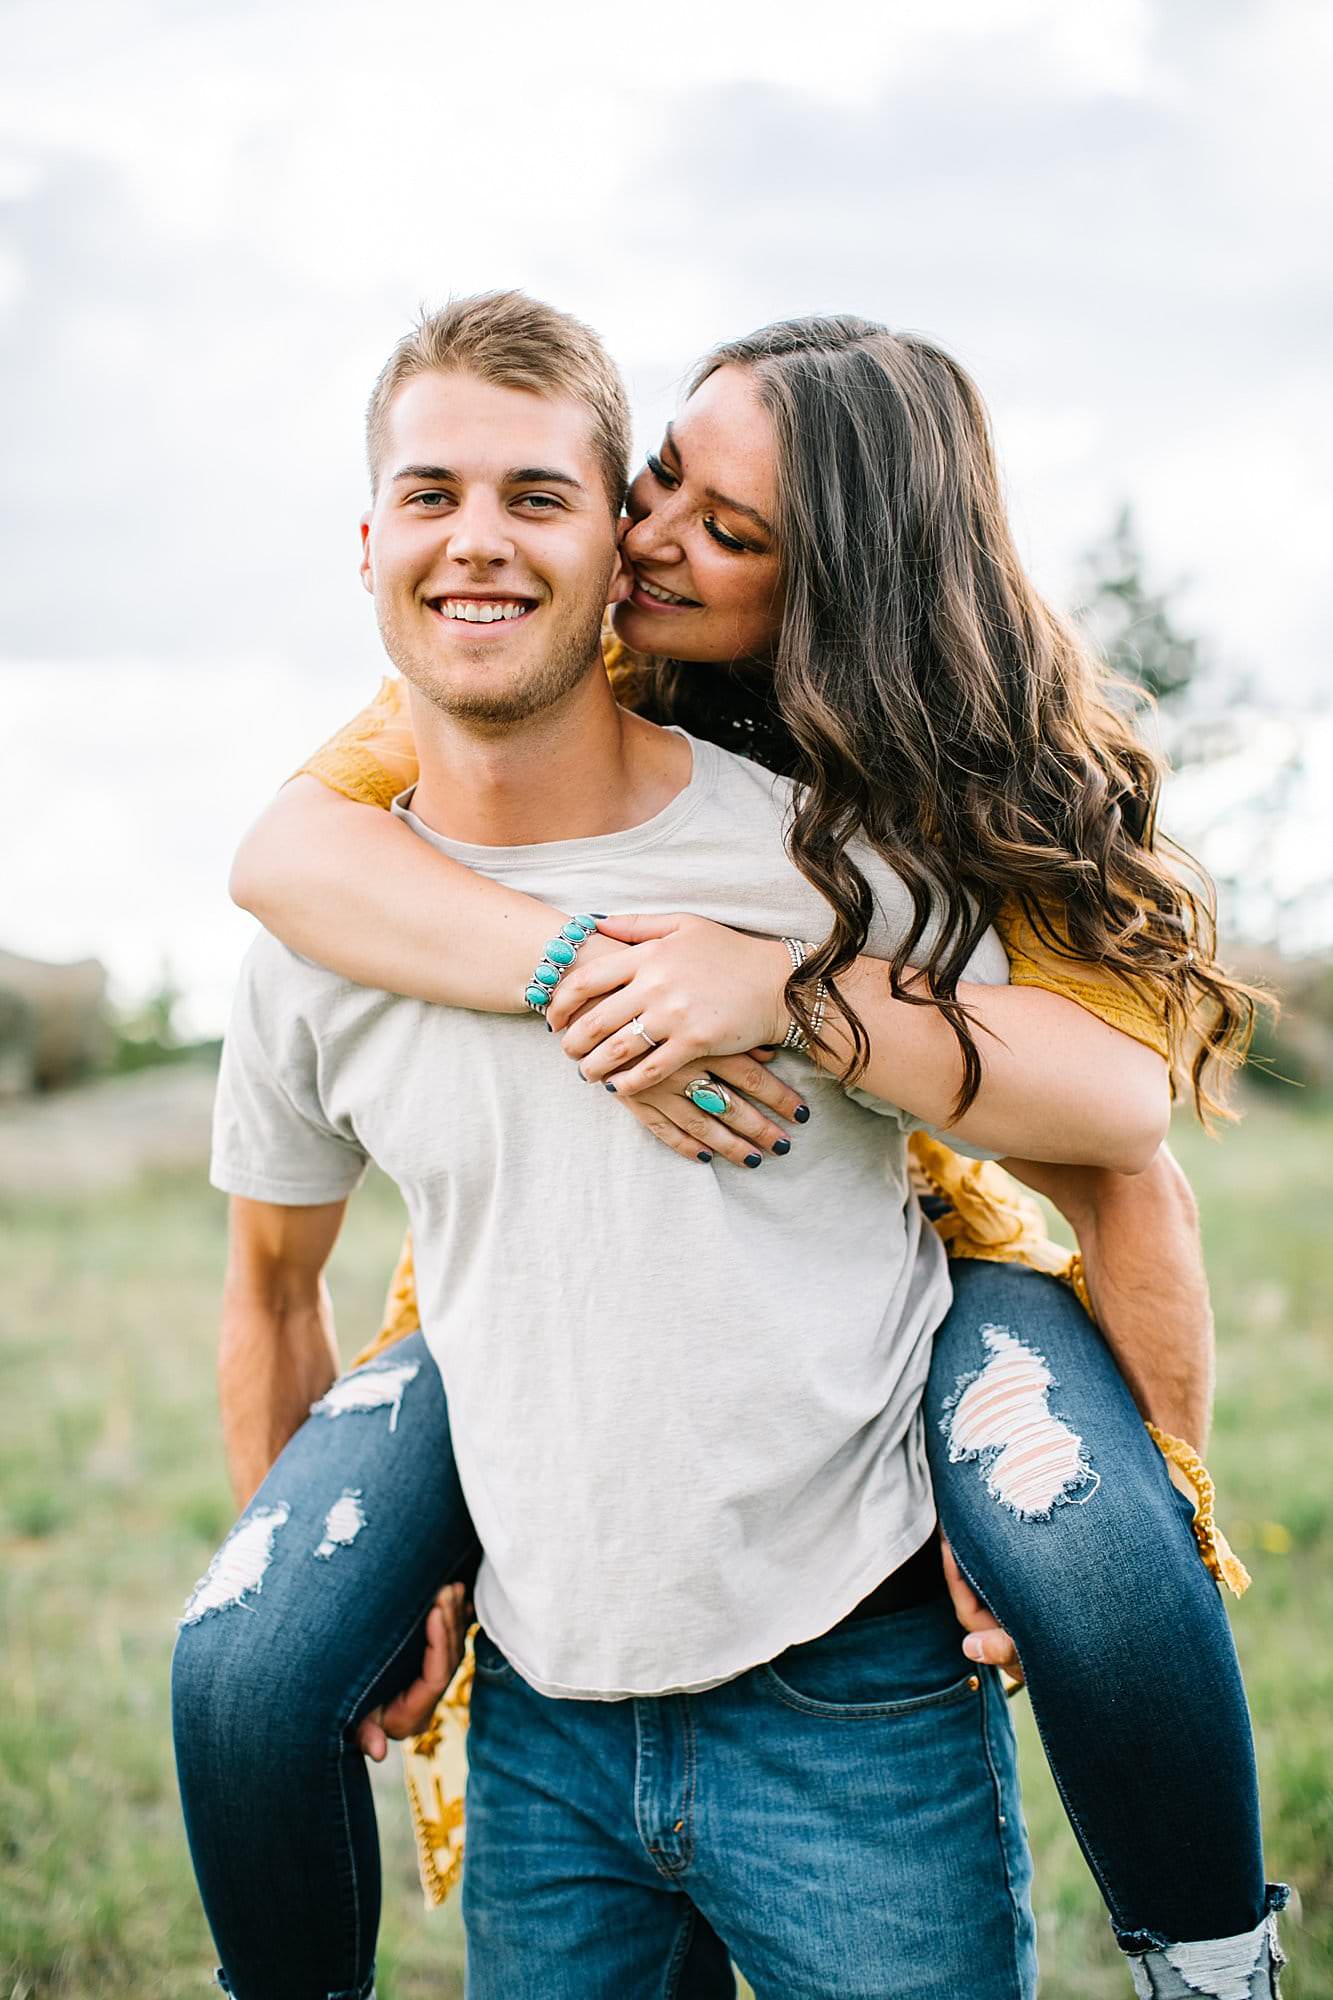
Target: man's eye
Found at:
x=545, y=503
x=432, y=502
x=719, y=534
x=659, y=471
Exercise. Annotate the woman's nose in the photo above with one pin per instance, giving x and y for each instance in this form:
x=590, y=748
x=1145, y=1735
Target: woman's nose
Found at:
x=653, y=538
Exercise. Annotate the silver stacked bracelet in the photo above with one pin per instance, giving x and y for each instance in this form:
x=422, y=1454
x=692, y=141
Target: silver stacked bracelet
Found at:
x=796, y=1037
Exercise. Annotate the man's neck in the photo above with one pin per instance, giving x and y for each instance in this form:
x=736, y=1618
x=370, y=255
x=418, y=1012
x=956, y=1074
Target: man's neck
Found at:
x=583, y=768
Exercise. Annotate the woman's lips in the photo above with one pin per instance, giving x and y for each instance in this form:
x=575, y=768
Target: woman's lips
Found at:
x=645, y=602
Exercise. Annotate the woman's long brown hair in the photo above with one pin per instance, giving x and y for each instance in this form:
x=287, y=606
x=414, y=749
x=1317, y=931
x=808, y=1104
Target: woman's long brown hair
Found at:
x=941, y=711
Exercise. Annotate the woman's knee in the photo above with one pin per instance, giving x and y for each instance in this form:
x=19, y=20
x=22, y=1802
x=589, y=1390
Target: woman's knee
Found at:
x=1112, y=1557
x=1025, y=1394
x=249, y=1674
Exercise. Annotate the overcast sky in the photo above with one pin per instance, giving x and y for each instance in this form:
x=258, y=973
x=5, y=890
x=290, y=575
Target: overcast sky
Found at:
x=213, y=225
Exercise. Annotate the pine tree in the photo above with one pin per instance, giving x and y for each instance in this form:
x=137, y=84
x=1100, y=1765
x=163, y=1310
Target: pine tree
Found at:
x=1132, y=625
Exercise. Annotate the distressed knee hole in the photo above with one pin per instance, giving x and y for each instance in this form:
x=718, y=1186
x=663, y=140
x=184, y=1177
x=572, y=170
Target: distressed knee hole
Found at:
x=1038, y=1460
x=368, y=1389
x=237, y=1570
x=342, y=1524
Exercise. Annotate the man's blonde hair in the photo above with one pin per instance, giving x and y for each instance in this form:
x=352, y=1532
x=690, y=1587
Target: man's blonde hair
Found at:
x=514, y=342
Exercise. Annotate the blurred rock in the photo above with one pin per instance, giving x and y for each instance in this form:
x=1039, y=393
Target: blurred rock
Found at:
x=55, y=1026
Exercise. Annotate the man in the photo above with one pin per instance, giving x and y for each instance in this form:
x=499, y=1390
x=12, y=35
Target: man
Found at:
x=683, y=1465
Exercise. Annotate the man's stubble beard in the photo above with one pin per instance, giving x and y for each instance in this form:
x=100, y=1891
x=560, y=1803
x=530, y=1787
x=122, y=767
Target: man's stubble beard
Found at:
x=574, y=647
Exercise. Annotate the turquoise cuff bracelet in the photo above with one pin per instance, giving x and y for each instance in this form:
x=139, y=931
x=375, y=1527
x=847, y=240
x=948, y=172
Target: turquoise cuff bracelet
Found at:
x=556, y=960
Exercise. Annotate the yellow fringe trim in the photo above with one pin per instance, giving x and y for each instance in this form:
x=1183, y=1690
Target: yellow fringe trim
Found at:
x=435, y=1774
x=1197, y=1483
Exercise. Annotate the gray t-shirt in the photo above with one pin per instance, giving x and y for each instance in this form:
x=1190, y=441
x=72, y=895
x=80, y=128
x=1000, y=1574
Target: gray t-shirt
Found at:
x=685, y=1399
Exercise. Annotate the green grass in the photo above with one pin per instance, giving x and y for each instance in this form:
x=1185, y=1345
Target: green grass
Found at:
x=112, y=1498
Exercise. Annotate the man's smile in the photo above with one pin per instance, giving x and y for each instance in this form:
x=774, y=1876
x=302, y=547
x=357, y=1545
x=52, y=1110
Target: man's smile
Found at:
x=473, y=609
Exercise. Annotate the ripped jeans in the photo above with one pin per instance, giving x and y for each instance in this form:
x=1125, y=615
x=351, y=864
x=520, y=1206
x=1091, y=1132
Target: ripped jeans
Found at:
x=313, y=1613
x=1063, y=1518
x=617, y=1850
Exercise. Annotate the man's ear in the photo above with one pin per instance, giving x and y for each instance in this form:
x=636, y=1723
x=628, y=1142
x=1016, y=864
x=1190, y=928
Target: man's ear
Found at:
x=367, y=573
x=622, y=576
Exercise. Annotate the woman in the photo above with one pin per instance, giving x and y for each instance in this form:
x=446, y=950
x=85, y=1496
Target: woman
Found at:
x=821, y=576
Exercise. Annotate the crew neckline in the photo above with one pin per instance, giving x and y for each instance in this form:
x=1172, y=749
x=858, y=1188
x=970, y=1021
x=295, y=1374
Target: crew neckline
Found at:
x=705, y=763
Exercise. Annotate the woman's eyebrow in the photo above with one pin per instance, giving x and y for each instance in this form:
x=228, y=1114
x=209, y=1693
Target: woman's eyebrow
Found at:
x=722, y=499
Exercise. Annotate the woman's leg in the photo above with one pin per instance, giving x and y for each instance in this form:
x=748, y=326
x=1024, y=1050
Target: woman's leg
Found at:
x=1063, y=1518
x=311, y=1614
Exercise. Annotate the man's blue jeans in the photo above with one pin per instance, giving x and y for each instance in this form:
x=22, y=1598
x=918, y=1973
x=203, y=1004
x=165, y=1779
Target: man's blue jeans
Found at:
x=843, y=1821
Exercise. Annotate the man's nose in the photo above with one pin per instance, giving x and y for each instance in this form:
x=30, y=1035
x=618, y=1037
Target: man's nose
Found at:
x=479, y=535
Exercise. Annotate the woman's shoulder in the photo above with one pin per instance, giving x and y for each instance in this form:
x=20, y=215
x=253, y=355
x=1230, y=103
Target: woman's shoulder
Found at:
x=1047, y=961
x=374, y=756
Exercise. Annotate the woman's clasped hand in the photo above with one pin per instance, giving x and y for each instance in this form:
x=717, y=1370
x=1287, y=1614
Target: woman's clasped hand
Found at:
x=710, y=1001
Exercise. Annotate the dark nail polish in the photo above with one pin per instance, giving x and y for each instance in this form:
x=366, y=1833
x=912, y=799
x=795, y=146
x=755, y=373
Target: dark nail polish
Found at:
x=611, y=1087
x=601, y=915
x=782, y=1145
x=754, y=1160
x=801, y=1113
x=705, y=1157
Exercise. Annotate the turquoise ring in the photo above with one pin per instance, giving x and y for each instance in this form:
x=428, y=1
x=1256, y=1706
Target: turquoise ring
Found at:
x=707, y=1094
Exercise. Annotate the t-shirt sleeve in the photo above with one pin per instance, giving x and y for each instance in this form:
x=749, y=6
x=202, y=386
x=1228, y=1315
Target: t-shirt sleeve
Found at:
x=272, y=1140
x=372, y=758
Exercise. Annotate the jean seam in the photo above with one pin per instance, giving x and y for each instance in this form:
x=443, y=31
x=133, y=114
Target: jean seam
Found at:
x=988, y=1685
x=349, y=1711
x=691, y=1776
x=868, y=1711
x=680, y=1952
x=1090, y=1854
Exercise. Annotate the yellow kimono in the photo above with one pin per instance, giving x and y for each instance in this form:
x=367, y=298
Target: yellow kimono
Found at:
x=371, y=760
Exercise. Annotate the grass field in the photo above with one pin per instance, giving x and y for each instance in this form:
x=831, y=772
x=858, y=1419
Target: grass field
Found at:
x=112, y=1497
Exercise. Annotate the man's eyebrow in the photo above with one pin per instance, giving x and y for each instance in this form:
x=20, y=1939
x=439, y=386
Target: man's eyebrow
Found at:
x=724, y=499
x=542, y=475
x=517, y=475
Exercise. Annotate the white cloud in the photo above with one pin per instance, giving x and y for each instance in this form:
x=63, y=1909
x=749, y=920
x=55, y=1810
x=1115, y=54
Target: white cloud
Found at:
x=213, y=224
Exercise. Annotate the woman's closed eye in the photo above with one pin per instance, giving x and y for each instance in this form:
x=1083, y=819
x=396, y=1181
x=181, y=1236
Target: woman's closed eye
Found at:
x=714, y=527
x=664, y=476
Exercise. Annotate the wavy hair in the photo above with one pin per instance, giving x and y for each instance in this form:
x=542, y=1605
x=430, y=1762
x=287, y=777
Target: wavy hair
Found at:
x=941, y=711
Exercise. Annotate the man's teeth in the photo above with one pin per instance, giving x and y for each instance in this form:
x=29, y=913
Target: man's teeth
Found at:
x=662, y=596
x=479, y=614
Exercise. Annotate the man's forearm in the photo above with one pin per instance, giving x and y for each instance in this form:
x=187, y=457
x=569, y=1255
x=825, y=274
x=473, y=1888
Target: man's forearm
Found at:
x=1143, y=1261
x=276, y=1358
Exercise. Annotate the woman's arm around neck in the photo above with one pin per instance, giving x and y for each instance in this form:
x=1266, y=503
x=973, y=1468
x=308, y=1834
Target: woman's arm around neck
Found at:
x=353, y=888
